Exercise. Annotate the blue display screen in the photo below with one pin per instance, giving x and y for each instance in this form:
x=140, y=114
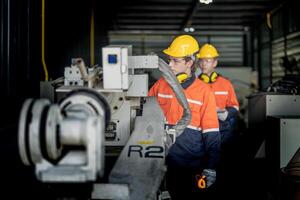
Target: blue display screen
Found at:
x=112, y=58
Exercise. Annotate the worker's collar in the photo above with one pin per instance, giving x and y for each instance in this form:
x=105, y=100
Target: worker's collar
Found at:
x=188, y=82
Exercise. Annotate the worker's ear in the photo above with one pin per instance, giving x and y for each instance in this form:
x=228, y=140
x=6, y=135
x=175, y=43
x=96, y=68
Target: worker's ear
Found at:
x=215, y=62
x=190, y=63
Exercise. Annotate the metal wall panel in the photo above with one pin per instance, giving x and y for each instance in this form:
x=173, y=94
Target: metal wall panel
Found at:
x=278, y=52
x=230, y=47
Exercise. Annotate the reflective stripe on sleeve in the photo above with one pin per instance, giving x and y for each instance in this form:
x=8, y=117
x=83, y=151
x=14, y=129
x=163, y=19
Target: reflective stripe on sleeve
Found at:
x=210, y=130
x=193, y=127
x=167, y=96
x=195, y=102
x=236, y=107
x=221, y=92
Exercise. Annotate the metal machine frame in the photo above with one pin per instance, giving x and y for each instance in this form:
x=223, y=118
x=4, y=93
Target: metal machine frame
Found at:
x=107, y=107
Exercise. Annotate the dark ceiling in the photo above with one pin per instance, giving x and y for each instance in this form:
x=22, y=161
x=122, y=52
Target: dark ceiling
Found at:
x=175, y=15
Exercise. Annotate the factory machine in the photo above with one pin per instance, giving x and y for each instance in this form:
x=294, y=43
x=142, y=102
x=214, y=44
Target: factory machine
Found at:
x=263, y=107
x=274, y=121
x=97, y=111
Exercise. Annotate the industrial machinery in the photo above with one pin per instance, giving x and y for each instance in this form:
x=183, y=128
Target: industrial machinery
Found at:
x=96, y=110
x=269, y=104
x=274, y=123
x=45, y=130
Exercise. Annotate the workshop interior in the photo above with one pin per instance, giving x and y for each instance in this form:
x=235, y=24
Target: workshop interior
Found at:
x=76, y=120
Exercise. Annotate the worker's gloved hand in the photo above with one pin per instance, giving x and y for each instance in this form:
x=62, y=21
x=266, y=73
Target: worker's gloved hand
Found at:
x=222, y=114
x=210, y=176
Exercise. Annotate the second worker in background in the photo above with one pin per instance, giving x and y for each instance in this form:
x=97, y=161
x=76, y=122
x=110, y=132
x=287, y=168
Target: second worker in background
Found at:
x=226, y=101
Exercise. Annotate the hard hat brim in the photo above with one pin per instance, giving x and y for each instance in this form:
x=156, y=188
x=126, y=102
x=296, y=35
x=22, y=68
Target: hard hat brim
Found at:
x=171, y=53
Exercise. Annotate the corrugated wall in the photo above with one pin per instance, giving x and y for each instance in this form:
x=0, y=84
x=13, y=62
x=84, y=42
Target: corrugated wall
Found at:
x=273, y=43
x=292, y=45
x=229, y=46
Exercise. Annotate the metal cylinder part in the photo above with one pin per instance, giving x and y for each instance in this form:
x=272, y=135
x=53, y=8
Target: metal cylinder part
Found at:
x=46, y=130
x=23, y=142
x=73, y=132
x=53, y=144
x=32, y=130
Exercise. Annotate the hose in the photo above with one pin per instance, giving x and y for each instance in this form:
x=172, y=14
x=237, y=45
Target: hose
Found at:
x=178, y=90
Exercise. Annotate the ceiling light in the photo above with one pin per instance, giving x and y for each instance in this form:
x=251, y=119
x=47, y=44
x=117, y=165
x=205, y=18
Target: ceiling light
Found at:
x=205, y=1
x=189, y=29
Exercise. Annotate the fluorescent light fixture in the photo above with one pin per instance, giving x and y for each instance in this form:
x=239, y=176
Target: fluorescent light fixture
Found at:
x=205, y=1
x=189, y=29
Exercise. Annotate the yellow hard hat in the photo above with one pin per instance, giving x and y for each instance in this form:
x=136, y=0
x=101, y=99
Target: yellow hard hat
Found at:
x=182, y=46
x=208, y=51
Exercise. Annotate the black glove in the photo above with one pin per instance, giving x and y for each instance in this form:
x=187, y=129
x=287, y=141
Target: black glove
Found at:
x=209, y=175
